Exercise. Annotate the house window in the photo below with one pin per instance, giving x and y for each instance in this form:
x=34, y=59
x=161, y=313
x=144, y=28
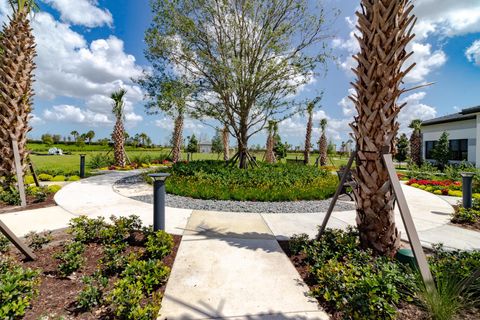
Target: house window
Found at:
x=459, y=149
x=429, y=145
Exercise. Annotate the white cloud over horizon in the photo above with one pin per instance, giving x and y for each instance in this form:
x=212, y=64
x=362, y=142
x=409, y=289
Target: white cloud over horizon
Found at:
x=82, y=12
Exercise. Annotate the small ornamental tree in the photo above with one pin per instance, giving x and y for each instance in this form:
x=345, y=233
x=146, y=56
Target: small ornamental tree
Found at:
x=441, y=151
x=244, y=59
x=402, y=148
x=192, y=144
x=47, y=139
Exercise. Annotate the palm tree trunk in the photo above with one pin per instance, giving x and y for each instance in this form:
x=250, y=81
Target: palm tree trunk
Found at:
x=308, y=138
x=177, y=138
x=226, y=144
x=16, y=92
x=416, y=148
x=323, y=150
x=269, y=154
x=386, y=30
x=119, y=143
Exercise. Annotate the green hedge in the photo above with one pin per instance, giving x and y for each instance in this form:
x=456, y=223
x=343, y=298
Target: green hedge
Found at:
x=280, y=182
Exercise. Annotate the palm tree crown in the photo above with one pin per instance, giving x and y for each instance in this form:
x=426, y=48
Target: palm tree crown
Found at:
x=118, y=103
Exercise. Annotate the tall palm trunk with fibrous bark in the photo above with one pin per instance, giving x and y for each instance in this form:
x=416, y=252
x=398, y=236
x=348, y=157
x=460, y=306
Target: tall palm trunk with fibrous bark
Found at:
x=308, y=134
x=177, y=138
x=270, y=154
x=226, y=143
x=16, y=92
x=386, y=29
x=118, y=135
x=416, y=142
x=323, y=145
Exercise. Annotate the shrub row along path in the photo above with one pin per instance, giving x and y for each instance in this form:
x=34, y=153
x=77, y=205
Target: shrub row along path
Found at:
x=230, y=264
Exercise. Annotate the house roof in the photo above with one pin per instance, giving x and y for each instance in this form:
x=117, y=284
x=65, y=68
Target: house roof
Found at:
x=465, y=114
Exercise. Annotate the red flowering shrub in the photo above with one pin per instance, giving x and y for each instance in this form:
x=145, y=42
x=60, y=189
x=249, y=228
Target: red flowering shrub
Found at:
x=439, y=183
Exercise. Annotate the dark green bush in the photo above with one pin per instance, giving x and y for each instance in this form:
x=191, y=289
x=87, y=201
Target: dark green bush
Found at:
x=351, y=280
x=37, y=241
x=114, y=260
x=18, y=287
x=70, y=259
x=92, y=294
x=121, y=229
x=86, y=230
x=457, y=263
x=4, y=244
x=159, y=245
x=10, y=196
x=99, y=160
x=279, y=182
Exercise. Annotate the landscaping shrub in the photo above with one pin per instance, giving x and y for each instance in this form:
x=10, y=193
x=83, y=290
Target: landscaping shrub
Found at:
x=159, y=245
x=92, y=294
x=54, y=188
x=73, y=178
x=37, y=241
x=4, y=244
x=351, y=280
x=10, y=196
x=28, y=180
x=45, y=177
x=86, y=230
x=58, y=178
x=99, y=160
x=70, y=258
x=114, y=260
x=279, y=182
x=18, y=287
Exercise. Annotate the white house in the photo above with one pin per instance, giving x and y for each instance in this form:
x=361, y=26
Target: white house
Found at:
x=205, y=147
x=464, y=135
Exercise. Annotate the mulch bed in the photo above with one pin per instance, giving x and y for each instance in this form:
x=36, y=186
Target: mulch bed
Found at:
x=31, y=204
x=57, y=295
x=474, y=226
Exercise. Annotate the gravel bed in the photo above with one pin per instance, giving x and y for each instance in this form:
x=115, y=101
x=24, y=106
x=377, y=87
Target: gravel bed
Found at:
x=124, y=185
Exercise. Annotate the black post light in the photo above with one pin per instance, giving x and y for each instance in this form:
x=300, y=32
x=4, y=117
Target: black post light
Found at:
x=159, y=200
x=467, y=178
x=82, y=166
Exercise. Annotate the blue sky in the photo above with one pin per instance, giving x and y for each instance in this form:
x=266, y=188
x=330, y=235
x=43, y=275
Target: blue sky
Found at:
x=88, y=48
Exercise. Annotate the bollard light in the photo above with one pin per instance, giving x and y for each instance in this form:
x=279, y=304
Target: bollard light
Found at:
x=159, y=200
x=82, y=166
x=467, y=178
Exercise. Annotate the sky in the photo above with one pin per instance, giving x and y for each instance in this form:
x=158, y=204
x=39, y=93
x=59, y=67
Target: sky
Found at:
x=89, y=48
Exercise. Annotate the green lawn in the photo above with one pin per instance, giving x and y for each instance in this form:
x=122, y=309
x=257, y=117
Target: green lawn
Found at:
x=69, y=164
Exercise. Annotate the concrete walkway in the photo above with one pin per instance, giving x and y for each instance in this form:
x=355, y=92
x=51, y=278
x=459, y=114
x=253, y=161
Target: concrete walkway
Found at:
x=230, y=266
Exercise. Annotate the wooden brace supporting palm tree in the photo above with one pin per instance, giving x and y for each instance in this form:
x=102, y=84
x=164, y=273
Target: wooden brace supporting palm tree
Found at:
x=386, y=29
x=118, y=135
x=17, y=45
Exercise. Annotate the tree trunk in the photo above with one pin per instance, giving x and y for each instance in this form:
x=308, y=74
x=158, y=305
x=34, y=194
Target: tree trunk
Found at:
x=385, y=27
x=226, y=144
x=177, y=138
x=308, y=138
x=323, y=150
x=269, y=154
x=16, y=92
x=242, y=140
x=416, y=148
x=119, y=143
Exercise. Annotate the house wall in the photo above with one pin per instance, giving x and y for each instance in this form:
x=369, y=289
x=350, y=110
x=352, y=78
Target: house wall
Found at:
x=466, y=129
x=205, y=148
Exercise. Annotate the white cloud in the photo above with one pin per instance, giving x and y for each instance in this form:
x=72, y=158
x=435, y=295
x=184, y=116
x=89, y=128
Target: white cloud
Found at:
x=414, y=110
x=473, y=53
x=348, y=108
x=35, y=120
x=426, y=61
x=82, y=12
x=72, y=114
x=167, y=124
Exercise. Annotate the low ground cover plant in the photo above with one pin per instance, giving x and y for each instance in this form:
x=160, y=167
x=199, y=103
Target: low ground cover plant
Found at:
x=353, y=284
x=130, y=290
x=279, y=182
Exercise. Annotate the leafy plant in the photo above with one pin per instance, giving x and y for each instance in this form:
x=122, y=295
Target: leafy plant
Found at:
x=54, y=188
x=58, y=178
x=37, y=241
x=70, y=258
x=92, y=293
x=17, y=290
x=122, y=229
x=73, y=178
x=45, y=177
x=99, y=160
x=159, y=245
x=4, y=244
x=10, y=196
x=113, y=259
x=85, y=229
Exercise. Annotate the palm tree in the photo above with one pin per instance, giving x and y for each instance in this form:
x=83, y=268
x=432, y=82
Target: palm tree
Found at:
x=74, y=134
x=90, y=135
x=118, y=135
x=416, y=141
x=270, y=154
x=226, y=143
x=323, y=144
x=17, y=46
x=308, y=135
x=386, y=29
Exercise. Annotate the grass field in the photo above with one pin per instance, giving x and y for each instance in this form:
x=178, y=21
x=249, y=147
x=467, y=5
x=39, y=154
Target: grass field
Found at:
x=69, y=164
